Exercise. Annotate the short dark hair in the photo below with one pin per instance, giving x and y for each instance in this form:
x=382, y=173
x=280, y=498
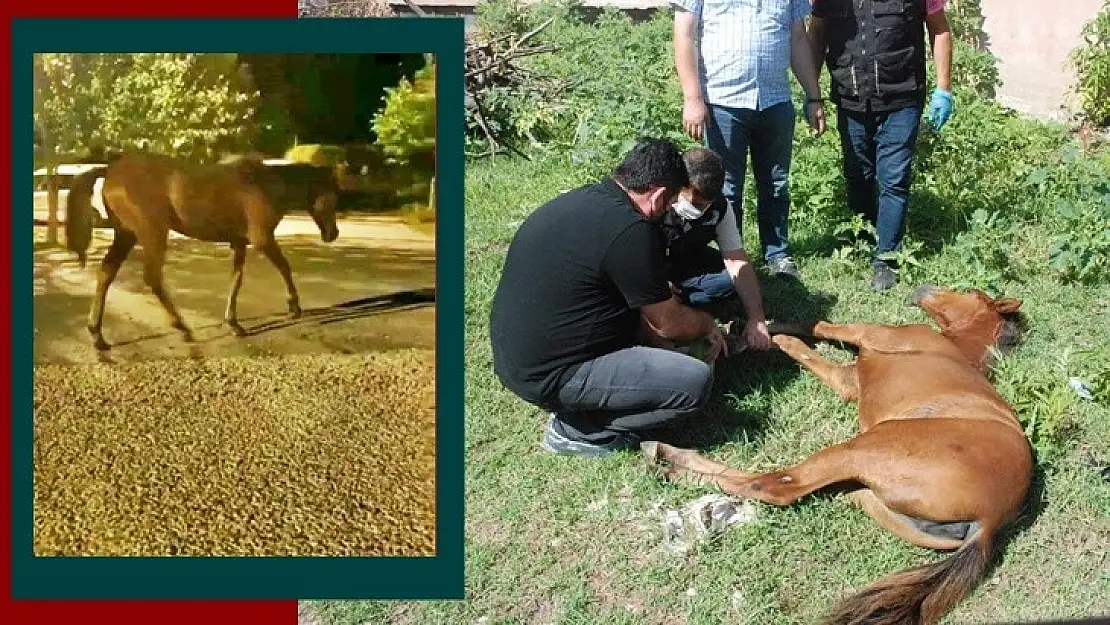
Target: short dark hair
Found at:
x=706, y=169
x=650, y=164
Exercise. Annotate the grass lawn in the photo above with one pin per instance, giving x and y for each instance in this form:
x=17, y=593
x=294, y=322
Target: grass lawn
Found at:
x=558, y=540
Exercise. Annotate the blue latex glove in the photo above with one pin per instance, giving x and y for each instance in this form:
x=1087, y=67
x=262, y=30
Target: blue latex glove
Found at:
x=940, y=108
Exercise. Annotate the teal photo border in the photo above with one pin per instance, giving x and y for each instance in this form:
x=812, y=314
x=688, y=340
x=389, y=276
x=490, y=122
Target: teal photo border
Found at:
x=437, y=577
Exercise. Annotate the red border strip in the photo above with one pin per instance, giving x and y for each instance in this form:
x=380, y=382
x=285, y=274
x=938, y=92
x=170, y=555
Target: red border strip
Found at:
x=113, y=612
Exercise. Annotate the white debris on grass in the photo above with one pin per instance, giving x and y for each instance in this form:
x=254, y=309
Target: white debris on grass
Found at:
x=598, y=505
x=702, y=518
x=1081, y=388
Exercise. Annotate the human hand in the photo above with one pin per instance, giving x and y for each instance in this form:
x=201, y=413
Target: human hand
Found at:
x=694, y=115
x=756, y=335
x=940, y=108
x=815, y=116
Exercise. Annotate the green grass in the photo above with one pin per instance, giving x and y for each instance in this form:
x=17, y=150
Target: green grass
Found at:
x=557, y=540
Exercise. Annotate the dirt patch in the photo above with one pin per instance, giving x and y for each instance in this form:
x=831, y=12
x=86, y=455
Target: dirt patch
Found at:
x=301, y=455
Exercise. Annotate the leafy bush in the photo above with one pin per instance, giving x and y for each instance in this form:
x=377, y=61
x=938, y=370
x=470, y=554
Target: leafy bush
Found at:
x=1092, y=64
x=406, y=126
x=965, y=18
x=191, y=105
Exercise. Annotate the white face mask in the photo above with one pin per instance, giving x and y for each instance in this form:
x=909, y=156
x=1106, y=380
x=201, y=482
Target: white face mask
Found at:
x=686, y=209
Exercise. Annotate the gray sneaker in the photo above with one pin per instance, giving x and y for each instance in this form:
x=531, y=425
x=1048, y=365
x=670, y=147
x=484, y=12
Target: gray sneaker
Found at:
x=883, y=277
x=557, y=443
x=785, y=267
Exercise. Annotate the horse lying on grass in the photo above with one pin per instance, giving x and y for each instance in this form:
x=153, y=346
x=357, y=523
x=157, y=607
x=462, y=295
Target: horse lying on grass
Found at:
x=941, y=460
x=239, y=202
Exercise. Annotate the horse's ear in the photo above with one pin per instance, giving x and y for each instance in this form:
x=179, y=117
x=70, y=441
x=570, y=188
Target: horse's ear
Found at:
x=1007, y=305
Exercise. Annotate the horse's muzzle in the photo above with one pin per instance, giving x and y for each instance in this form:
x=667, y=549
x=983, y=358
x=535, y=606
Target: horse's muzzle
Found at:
x=330, y=235
x=922, y=292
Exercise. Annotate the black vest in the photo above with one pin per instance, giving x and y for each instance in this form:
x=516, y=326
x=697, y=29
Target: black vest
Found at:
x=876, y=53
x=685, y=240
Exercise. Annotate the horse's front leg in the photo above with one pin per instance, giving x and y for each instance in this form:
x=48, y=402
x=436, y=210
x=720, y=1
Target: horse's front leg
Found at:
x=679, y=463
x=273, y=252
x=842, y=379
x=231, y=315
x=851, y=333
x=154, y=250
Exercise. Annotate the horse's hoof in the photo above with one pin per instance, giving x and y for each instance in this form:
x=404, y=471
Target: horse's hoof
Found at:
x=236, y=329
x=101, y=345
x=295, y=313
x=650, y=450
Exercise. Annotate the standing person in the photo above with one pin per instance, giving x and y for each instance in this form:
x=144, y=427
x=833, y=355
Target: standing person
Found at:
x=875, y=52
x=732, y=58
x=584, y=273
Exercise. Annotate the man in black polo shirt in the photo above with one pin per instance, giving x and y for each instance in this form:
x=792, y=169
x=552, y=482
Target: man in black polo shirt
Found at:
x=583, y=281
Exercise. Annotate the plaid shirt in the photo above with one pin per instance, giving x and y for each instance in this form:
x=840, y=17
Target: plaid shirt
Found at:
x=744, y=49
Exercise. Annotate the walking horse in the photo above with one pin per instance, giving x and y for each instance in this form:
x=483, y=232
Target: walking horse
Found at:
x=941, y=461
x=238, y=202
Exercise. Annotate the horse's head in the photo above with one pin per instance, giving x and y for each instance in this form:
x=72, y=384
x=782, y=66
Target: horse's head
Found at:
x=323, y=200
x=972, y=319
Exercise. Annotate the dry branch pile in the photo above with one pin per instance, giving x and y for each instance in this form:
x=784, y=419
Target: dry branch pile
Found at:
x=490, y=64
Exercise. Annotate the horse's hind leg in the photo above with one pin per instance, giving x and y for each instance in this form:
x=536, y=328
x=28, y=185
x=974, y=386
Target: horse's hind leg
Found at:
x=122, y=244
x=840, y=378
x=273, y=252
x=239, y=258
x=153, y=261
x=905, y=528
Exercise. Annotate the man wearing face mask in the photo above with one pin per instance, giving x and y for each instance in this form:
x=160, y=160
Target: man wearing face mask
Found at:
x=583, y=275
x=704, y=276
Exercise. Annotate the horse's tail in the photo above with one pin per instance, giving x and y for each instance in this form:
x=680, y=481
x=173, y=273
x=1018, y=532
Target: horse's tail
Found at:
x=80, y=212
x=919, y=595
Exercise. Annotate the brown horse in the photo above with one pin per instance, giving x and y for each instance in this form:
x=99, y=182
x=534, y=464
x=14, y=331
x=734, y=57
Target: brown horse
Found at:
x=941, y=460
x=239, y=202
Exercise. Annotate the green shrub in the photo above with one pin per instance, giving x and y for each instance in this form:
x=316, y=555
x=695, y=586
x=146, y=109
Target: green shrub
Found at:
x=406, y=126
x=610, y=82
x=1092, y=64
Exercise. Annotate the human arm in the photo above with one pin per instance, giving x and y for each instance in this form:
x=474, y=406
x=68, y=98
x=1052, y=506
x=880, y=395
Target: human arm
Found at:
x=818, y=45
x=805, y=69
x=634, y=263
x=940, y=40
x=694, y=110
x=740, y=269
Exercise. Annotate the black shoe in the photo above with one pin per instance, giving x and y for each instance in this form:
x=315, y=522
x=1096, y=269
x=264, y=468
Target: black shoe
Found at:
x=785, y=267
x=557, y=443
x=883, y=277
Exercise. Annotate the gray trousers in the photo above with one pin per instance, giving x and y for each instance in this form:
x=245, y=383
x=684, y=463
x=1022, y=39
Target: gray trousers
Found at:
x=630, y=390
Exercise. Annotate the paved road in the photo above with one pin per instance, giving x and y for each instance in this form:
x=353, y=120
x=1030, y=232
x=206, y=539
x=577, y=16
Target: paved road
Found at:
x=372, y=288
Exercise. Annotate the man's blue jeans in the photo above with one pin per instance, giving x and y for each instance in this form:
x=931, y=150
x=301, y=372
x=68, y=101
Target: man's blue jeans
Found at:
x=769, y=133
x=878, y=156
x=702, y=278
